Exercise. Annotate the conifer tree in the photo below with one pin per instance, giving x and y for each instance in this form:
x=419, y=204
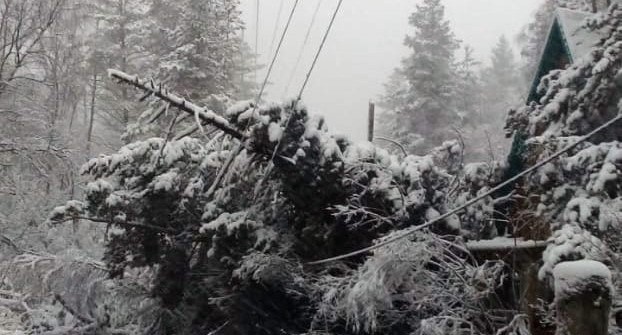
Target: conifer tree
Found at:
x=197, y=43
x=501, y=82
x=114, y=38
x=428, y=110
x=468, y=87
x=468, y=97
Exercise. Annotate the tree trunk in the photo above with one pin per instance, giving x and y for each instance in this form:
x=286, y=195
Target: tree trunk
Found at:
x=89, y=134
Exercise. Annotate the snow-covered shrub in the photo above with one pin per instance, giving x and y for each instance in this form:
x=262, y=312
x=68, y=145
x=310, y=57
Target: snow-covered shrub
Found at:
x=571, y=243
x=416, y=286
x=68, y=294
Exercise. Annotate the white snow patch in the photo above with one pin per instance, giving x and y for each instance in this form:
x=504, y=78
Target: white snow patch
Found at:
x=573, y=276
x=165, y=182
x=275, y=132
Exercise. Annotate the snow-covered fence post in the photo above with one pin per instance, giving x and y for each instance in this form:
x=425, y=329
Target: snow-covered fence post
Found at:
x=583, y=292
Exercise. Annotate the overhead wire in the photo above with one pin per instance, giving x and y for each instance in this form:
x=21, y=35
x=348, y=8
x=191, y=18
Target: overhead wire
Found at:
x=302, y=48
x=299, y=97
x=276, y=54
x=240, y=145
x=256, y=40
x=276, y=26
x=319, y=51
x=317, y=56
x=471, y=202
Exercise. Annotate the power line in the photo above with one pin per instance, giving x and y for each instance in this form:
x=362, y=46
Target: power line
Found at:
x=472, y=201
x=319, y=51
x=276, y=25
x=256, y=39
x=317, y=55
x=276, y=53
x=263, y=85
x=302, y=48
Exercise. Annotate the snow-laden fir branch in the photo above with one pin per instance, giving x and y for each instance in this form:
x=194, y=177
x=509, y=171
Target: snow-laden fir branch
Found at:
x=178, y=102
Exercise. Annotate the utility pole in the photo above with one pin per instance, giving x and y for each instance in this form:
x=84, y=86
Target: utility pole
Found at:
x=370, y=121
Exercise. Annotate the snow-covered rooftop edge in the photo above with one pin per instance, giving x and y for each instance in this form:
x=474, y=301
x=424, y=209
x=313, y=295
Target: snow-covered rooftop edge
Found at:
x=578, y=38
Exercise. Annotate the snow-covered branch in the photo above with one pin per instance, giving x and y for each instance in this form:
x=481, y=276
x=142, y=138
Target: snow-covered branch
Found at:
x=504, y=243
x=178, y=102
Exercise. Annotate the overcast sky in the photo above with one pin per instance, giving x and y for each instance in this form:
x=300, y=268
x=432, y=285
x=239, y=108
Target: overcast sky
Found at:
x=365, y=45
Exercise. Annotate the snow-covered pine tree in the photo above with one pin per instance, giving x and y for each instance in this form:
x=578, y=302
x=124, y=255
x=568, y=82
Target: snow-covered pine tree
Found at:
x=501, y=81
x=228, y=230
x=394, y=103
x=501, y=90
x=116, y=34
x=199, y=46
x=426, y=117
x=468, y=87
x=468, y=99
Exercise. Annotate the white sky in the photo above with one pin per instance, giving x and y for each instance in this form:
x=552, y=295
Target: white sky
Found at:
x=365, y=45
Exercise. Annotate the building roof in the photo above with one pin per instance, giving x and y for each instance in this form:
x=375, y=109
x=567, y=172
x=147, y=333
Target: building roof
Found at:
x=568, y=40
x=578, y=39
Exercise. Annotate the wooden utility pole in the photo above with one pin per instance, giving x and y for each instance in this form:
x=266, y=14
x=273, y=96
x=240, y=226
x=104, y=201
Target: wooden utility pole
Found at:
x=370, y=121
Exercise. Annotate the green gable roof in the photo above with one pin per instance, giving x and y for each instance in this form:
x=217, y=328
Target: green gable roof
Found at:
x=568, y=41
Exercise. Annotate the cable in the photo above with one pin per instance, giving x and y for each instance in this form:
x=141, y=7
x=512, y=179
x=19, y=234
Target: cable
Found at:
x=276, y=53
x=276, y=26
x=472, y=201
x=304, y=44
x=240, y=145
x=256, y=40
x=317, y=55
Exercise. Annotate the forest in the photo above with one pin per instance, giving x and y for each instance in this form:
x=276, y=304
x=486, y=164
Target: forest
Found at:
x=149, y=184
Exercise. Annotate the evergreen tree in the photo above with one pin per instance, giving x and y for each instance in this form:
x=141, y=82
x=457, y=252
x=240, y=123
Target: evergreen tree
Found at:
x=429, y=109
x=501, y=83
x=198, y=43
x=114, y=39
x=500, y=90
x=468, y=90
x=468, y=99
x=394, y=103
